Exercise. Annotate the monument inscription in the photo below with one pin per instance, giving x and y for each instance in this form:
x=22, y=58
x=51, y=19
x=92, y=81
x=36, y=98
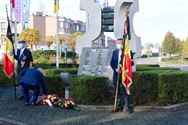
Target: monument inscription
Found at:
x=95, y=62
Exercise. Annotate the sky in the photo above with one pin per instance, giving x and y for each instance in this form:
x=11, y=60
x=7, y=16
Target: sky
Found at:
x=151, y=22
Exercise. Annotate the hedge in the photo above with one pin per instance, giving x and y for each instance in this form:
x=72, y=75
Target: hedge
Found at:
x=150, y=87
x=72, y=71
x=53, y=65
x=53, y=82
x=47, y=53
x=147, y=65
x=4, y=80
x=55, y=85
x=159, y=87
x=91, y=90
x=144, y=89
x=152, y=67
x=48, y=56
x=173, y=87
x=155, y=68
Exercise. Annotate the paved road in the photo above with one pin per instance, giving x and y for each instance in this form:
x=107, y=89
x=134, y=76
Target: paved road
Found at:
x=182, y=67
x=155, y=60
x=40, y=115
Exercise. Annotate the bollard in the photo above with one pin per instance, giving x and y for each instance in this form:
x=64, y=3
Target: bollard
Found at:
x=66, y=93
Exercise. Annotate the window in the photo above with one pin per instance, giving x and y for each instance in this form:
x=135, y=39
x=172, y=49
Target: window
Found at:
x=66, y=25
x=83, y=29
x=3, y=28
x=71, y=26
x=74, y=27
x=77, y=27
x=60, y=24
x=2, y=38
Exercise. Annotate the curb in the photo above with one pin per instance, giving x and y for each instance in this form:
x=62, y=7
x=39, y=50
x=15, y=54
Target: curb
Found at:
x=174, y=107
x=5, y=121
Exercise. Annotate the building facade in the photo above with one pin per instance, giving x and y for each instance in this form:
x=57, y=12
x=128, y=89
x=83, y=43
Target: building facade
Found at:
x=46, y=25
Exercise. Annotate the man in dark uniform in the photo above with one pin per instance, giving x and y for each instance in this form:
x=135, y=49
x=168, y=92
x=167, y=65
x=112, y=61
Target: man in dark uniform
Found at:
x=116, y=66
x=24, y=56
x=32, y=79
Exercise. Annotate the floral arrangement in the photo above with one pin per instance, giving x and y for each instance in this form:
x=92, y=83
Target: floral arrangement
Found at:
x=55, y=101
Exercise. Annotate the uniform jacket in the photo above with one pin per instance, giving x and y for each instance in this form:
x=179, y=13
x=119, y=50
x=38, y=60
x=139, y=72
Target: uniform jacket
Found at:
x=27, y=54
x=114, y=62
x=33, y=77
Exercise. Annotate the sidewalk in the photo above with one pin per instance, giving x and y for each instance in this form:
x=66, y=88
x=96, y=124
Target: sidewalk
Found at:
x=13, y=112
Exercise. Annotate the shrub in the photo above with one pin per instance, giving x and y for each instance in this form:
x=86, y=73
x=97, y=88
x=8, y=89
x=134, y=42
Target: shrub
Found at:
x=69, y=54
x=55, y=85
x=49, y=72
x=144, y=89
x=147, y=65
x=4, y=80
x=161, y=87
x=155, y=68
x=53, y=65
x=47, y=56
x=44, y=56
x=173, y=87
x=38, y=53
x=90, y=90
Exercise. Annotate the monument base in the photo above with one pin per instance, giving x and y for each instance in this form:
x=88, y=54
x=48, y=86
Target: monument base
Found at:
x=95, y=62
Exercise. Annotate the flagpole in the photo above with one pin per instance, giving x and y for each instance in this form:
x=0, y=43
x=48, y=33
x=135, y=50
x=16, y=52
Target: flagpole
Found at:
x=117, y=86
x=14, y=75
x=57, y=35
x=15, y=49
x=11, y=14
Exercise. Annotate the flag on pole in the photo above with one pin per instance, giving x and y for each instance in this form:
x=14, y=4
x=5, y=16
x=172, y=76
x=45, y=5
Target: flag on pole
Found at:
x=25, y=13
x=12, y=4
x=17, y=11
x=9, y=52
x=55, y=5
x=127, y=64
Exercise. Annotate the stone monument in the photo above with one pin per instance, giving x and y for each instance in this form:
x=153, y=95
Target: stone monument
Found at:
x=95, y=61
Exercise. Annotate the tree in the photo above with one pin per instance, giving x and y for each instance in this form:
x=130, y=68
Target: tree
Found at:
x=50, y=40
x=185, y=49
x=32, y=36
x=149, y=45
x=158, y=46
x=179, y=46
x=71, y=41
x=61, y=41
x=169, y=44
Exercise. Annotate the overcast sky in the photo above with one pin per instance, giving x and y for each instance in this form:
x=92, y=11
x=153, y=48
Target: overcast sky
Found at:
x=154, y=19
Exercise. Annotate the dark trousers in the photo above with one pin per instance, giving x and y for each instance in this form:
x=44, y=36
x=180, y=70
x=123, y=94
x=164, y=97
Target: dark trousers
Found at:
x=26, y=89
x=126, y=96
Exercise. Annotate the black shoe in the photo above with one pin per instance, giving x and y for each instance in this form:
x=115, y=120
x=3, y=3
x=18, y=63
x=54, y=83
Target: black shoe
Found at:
x=130, y=111
x=116, y=110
